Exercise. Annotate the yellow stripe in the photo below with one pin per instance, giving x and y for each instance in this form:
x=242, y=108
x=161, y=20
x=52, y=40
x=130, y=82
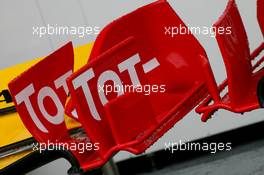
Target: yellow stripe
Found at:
x=4, y=162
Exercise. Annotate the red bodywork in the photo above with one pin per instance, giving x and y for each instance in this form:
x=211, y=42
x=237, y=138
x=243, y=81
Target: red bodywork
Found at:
x=40, y=95
x=134, y=121
x=260, y=14
x=242, y=81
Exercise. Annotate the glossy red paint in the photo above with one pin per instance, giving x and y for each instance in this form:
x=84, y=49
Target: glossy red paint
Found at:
x=242, y=82
x=135, y=50
x=260, y=14
x=134, y=121
x=40, y=95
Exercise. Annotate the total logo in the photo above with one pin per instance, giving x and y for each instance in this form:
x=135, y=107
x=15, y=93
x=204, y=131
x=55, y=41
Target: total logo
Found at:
x=24, y=97
x=40, y=93
x=82, y=80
